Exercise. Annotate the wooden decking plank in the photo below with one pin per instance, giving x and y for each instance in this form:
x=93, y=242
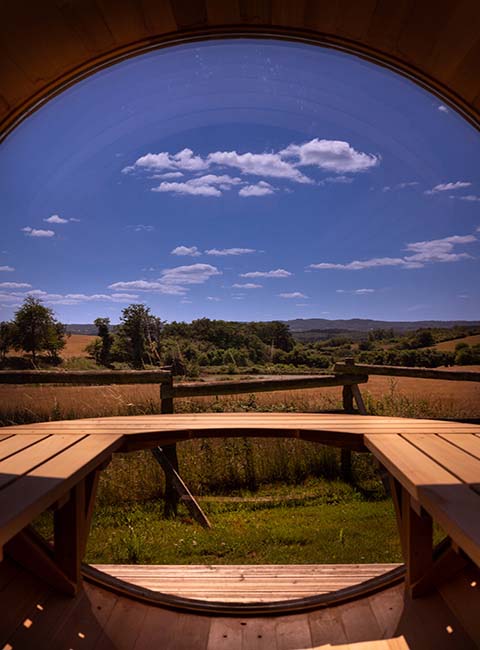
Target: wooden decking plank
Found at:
x=359, y=621
x=326, y=627
x=449, y=501
x=465, y=441
x=293, y=632
x=158, y=630
x=23, y=462
x=123, y=626
x=462, y=595
x=457, y=462
x=27, y=497
x=225, y=634
x=14, y=444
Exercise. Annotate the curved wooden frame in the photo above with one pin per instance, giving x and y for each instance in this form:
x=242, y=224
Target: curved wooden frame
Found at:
x=48, y=47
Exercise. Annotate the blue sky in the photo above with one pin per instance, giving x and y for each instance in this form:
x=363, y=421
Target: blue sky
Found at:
x=243, y=180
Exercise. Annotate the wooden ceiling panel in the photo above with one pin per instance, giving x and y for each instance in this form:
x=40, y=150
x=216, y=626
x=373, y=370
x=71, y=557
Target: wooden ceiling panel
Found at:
x=49, y=44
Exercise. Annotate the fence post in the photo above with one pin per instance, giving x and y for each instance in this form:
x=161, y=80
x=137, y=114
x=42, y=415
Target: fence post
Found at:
x=170, y=451
x=346, y=454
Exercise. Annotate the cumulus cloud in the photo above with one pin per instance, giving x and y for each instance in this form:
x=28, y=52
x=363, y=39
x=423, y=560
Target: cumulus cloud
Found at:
x=35, y=232
x=191, y=251
x=246, y=285
x=277, y=273
x=331, y=155
x=422, y=253
x=448, y=187
x=172, y=281
x=207, y=185
x=65, y=299
x=15, y=285
x=220, y=252
x=55, y=218
x=260, y=189
x=334, y=156
x=7, y=269
x=292, y=295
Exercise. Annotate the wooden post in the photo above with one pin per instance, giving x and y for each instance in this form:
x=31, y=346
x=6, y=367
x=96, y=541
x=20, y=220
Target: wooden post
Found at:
x=69, y=532
x=417, y=530
x=346, y=454
x=170, y=452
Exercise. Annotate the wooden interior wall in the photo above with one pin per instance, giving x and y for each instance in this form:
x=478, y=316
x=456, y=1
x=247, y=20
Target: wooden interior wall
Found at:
x=46, y=45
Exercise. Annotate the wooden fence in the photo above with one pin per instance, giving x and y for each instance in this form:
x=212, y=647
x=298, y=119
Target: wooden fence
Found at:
x=347, y=374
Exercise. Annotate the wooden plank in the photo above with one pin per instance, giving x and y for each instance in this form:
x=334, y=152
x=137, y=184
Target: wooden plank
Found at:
x=359, y=399
x=293, y=632
x=13, y=444
x=181, y=487
x=449, y=501
x=26, y=460
x=465, y=441
x=202, y=389
x=123, y=625
x=36, y=491
x=359, y=621
x=401, y=371
x=83, y=377
x=450, y=457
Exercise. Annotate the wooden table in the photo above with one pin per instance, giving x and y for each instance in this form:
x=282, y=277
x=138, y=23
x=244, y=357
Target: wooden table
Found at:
x=435, y=469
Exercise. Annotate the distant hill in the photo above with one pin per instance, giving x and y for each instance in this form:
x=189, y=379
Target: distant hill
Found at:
x=88, y=328
x=336, y=327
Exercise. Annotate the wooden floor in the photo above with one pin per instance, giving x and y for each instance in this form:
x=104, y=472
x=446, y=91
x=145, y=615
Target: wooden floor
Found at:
x=34, y=617
x=246, y=583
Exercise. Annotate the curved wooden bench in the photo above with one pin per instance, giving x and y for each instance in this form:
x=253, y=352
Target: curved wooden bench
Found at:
x=434, y=465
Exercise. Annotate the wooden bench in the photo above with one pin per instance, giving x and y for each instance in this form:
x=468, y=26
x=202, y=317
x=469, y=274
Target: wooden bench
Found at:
x=435, y=467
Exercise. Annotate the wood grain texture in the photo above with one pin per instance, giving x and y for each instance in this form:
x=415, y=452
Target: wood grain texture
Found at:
x=49, y=45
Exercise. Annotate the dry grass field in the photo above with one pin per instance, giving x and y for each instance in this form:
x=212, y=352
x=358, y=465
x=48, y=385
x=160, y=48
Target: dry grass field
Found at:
x=76, y=344
x=383, y=395
x=449, y=346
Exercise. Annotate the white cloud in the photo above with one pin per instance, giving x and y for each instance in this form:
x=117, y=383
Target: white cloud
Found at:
x=277, y=273
x=364, y=291
x=260, y=189
x=207, y=185
x=292, y=295
x=172, y=281
x=220, y=252
x=270, y=165
x=400, y=186
x=334, y=156
x=55, y=218
x=448, y=187
x=213, y=299
x=331, y=155
x=423, y=252
x=7, y=269
x=442, y=109
x=468, y=197
x=169, y=175
x=192, y=251
x=34, y=232
x=337, y=179
x=15, y=285
x=358, y=265
x=141, y=227
x=65, y=299
x=246, y=285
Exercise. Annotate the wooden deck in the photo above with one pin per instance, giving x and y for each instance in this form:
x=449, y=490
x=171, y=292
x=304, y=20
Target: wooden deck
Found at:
x=36, y=617
x=435, y=477
x=246, y=583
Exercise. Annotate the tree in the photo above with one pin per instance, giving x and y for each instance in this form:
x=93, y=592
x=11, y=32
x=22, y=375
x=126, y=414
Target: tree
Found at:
x=104, y=354
x=36, y=329
x=7, y=338
x=139, y=335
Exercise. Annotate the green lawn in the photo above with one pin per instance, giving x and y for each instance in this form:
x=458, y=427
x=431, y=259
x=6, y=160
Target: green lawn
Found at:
x=328, y=523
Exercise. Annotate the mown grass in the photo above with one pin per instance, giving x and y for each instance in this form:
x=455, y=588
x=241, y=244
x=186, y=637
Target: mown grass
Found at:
x=318, y=522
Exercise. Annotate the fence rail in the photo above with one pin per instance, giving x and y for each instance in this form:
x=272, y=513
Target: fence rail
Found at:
x=352, y=369
x=85, y=377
